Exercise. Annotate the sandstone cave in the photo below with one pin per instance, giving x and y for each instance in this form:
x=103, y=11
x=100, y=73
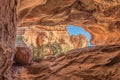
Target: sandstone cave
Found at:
x=35, y=44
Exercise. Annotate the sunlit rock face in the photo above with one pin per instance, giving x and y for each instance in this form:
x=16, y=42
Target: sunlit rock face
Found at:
x=79, y=41
x=100, y=17
x=55, y=36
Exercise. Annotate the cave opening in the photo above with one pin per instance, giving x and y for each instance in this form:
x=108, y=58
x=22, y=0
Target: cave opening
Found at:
x=75, y=30
x=52, y=42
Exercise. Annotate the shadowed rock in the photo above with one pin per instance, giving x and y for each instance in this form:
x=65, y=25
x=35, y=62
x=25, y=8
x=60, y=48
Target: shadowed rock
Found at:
x=23, y=56
x=90, y=63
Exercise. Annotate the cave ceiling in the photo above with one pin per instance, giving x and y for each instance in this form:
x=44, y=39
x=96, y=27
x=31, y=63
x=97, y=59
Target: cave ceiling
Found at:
x=99, y=17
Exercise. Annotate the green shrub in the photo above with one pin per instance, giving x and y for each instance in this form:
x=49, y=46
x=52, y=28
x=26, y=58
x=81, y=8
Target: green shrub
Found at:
x=39, y=51
x=66, y=49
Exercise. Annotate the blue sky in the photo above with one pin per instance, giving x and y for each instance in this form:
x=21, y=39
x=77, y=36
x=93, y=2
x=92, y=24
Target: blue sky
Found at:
x=74, y=30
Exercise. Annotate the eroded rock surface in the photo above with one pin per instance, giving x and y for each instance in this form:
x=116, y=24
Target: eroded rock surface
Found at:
x=23, y=56
x=91, y=63
x=99, y=17
x=8, y=21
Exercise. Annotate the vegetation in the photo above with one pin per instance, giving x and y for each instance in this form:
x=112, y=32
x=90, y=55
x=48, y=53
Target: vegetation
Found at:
x=19, y=41
x=43, y=50
x=66, y=49
x=40, y=51
x=54, y=49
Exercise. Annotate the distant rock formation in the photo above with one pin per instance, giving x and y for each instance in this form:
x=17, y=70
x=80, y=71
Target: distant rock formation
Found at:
x=79, y=41
x=52, y=36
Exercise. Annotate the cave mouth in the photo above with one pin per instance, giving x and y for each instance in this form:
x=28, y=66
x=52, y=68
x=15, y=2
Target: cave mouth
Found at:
x=75, y=30
x=51, y=43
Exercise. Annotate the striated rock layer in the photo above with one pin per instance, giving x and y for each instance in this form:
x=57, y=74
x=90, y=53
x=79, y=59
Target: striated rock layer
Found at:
x=99, y=17
x=91, y=63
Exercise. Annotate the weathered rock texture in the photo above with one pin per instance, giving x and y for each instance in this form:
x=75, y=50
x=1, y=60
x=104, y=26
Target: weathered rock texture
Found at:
x=8, y=21
x=42, y=35
x=100, y=17
x=23, y=56
x=92, y=63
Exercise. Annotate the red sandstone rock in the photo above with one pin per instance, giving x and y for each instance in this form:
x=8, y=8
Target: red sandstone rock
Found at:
x=79, y=41
x=23, y=55
x=40, y=38
x=99, y=17
x=91, y=63
x=100, y=63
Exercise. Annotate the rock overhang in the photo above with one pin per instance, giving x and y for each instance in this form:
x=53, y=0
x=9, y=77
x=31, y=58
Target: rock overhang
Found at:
x=99, y=17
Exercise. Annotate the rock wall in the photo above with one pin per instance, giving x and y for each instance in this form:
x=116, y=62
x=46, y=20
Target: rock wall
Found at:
x=91, y=63
x=99, y=17
x=8, y=23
